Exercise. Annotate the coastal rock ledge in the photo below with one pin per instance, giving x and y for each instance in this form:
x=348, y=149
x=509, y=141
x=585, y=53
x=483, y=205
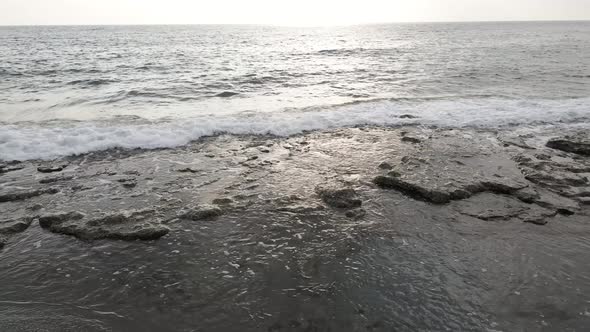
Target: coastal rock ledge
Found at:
x=307, y=179
x=578, y=143
x=126, y=225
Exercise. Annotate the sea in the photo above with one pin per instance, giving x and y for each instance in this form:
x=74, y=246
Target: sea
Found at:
x=68, y=90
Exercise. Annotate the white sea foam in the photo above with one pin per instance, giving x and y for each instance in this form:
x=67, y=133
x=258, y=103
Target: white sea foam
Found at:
x=51, y=140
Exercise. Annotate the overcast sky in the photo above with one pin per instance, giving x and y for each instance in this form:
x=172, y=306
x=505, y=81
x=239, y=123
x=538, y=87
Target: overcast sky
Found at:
x=284, y=12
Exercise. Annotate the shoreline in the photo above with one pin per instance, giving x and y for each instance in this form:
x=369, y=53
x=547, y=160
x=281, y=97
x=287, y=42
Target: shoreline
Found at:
x=246, y=207
x=424, y=172
x=52, y=139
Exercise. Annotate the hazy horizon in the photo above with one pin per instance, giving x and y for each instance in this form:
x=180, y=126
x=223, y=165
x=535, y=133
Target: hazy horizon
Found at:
x=301, y=13
x=286, y=25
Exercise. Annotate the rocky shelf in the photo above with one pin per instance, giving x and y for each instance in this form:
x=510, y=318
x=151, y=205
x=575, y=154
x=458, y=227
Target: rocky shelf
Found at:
x=144, y=195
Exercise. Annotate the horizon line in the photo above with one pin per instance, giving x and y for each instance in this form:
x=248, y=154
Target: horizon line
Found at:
x=286, y=25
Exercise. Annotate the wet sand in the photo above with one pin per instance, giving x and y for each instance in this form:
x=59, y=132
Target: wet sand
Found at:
x=358, y=229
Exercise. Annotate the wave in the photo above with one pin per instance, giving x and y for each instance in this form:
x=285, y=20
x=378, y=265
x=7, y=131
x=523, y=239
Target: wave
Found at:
x=23, y=141
x=355, y=51
x=6, y=72
x=91, y=82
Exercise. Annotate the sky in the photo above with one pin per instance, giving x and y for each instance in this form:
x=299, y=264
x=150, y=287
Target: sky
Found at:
x=284, y=12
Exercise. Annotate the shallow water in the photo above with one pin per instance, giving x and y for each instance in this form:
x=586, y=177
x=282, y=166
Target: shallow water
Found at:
x=407, y=265
x=246, y=272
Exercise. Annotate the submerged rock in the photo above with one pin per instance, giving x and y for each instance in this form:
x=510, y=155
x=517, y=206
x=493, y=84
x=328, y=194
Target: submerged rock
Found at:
x=527, y=195
x=188, y=170
x=494, y=207
x=11, y=226
x=411, y=139
x=48, y=220
x=128, y=183
x=434, y=193
x=385, y=165
x=551, y=200
x=5, y=168
x=556, y=178
x=356, y=214
x=51, y=168
x=226, y=94
x=55, y=179
x=126, y=225
x=517, y=141
x=223, y=201
x=408, y=116
x=25, y=194
x=202, y=212
x=3, y=241
x=579, y=144
x=342, y=198
x=564, y=176
x=413, y=190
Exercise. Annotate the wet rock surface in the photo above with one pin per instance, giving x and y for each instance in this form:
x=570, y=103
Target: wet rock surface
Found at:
x=19, y=195
x=342, y=198
x=11, y=226
x=202, y=212
x=5, y=168
x=55, y=179
x=578, y=143
x=342, y=230
x=51, y=168
x=125, y=225
x=356, y=213
x=226, y=94
x=491, y=207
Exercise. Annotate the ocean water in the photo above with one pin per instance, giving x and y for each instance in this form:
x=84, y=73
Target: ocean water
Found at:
x=71, y=90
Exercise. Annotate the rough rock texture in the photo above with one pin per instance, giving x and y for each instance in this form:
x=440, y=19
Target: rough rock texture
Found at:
x=10, y=226
x=408, y=116
x=125, y=225
x=202, y=212
x=385, y=165
x=459, y=182
x=226, y=94
x=223, y=201
x=415, y=190
x=128, y=182
x=282, y=258
x=578, y=143
x=5, y=168
x=554, y=184
x=296, y=177
x=55, y=179
x=341, y=198
x=51, y=168
x=564, y=176
x=517, y=141
x=18, y=195
x=410, y=139
x=356, y=214
x=492, y=207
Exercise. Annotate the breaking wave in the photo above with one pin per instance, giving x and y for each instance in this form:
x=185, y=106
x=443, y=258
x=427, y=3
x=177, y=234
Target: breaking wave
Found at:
x=23, y=141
